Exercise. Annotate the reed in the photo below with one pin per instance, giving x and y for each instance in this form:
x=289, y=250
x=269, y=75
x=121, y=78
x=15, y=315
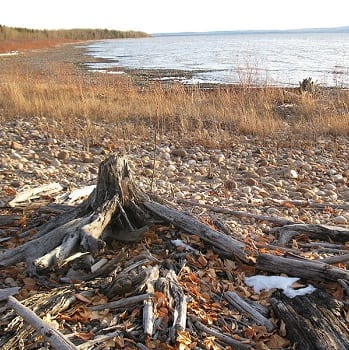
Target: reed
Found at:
x=74, y=103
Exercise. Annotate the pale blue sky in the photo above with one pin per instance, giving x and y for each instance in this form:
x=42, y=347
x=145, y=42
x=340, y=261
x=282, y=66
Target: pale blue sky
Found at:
x=174, y=16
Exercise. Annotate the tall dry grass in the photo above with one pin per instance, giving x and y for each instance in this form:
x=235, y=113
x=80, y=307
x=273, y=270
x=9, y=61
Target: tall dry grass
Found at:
x=73, y=103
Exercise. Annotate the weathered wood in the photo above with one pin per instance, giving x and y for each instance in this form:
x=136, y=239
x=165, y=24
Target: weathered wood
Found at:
x=6, y=292
x=336, y=259
x=148, y=308
x=313, y=321
x=235, y=344
x=323, y=232
x=239, y=213
x=123, y=303
x=111, y=207
x=229, y=245
x=300, y=268
x=8, y=220
x=244, y=307
x=54, y=337
x=23, y=197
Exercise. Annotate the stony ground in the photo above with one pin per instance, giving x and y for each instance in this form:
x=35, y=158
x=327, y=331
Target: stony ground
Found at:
x=253, y=175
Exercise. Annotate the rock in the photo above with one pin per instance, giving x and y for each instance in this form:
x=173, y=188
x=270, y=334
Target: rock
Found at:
x=340, y=220
x=62, y=155
x=179, y=152
x=16, y=145
x=230, y=185
x=251, y=182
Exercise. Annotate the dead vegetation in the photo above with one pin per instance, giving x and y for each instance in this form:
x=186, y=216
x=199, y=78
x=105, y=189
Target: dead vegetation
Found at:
x=64, y=95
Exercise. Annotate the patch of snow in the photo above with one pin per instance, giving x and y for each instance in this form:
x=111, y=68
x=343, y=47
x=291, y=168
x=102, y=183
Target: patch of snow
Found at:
x=260, y=282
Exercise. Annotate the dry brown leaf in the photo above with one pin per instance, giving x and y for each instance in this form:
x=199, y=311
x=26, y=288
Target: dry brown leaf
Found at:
x=82, y=298
x=277, y=342
x=85, y=336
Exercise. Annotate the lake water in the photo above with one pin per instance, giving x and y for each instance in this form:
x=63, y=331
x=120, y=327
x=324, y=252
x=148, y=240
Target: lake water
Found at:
x=281, y=59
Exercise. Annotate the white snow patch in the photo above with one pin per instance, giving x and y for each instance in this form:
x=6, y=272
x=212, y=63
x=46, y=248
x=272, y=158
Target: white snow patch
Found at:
x=260, y=282
x=180, y=243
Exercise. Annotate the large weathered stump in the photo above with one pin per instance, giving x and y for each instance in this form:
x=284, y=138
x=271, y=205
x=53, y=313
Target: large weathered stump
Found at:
x=111, y=209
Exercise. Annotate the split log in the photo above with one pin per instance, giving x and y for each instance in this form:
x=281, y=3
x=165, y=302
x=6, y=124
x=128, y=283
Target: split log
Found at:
x=227, y=244
x=303, y=268
x=313, y=321
x=54, y=337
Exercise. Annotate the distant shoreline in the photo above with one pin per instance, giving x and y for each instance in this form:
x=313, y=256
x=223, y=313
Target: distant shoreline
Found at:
x=344, y=29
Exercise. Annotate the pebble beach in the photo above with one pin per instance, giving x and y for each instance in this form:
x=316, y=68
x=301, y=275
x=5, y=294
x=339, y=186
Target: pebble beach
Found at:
x=258, y=176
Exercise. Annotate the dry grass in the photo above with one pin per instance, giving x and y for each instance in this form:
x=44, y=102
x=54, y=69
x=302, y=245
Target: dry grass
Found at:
x=71, y=102
x=25, y=44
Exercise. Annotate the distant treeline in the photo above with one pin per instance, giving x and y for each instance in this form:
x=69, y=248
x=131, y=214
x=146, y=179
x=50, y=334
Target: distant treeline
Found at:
x=13, y=33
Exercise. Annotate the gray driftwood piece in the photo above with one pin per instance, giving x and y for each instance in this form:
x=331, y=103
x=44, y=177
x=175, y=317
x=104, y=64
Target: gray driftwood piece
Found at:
x=239, y=213
x=24, y=197
x=6, y=292
x=54, y=337
x=244, y=307
x=301, y=268
x=313, y=321
x=235, y=344
x=7, y=220
x=323, y=232
x=227, y=244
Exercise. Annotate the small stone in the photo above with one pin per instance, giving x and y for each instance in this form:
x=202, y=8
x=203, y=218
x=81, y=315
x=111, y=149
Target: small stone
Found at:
x=16, y=145
x=64, y=154
x=251, y=182
x=292, y=174
x=340, y=220
x=86, y=158
x=230, y=185
x=338, y=178
x=179, y=152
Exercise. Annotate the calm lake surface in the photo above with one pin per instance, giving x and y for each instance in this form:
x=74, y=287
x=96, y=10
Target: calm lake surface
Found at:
x=281, y=59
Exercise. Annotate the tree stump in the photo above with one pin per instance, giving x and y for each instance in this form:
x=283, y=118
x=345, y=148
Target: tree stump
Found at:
x=111, y=209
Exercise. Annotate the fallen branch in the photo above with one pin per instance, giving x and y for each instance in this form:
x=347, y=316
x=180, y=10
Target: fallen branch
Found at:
x=54, y=337
x=187, y=223
x=276, y=220
x=301, y=268
x=244, y=307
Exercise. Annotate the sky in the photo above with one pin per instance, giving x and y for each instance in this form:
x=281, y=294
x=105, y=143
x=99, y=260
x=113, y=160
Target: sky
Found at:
x=159, y=16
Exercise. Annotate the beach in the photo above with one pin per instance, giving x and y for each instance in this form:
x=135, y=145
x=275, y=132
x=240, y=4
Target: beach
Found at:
x=299, y=179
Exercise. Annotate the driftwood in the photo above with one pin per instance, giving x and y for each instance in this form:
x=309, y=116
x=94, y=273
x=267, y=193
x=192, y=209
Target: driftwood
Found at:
x=301, y=268
x=24, y=197
x=54, y=337
x=314, y=321
x=323, y=232
x=227, y=244
x=245, y=307
x=110, y=209
x=7, y=220
x=158, y=288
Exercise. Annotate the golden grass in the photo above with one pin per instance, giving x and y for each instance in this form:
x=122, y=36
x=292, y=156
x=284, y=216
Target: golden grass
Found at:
x=72, y=102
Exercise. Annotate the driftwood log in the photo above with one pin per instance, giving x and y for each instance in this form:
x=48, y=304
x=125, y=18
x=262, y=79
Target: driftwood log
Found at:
x=314, y=321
